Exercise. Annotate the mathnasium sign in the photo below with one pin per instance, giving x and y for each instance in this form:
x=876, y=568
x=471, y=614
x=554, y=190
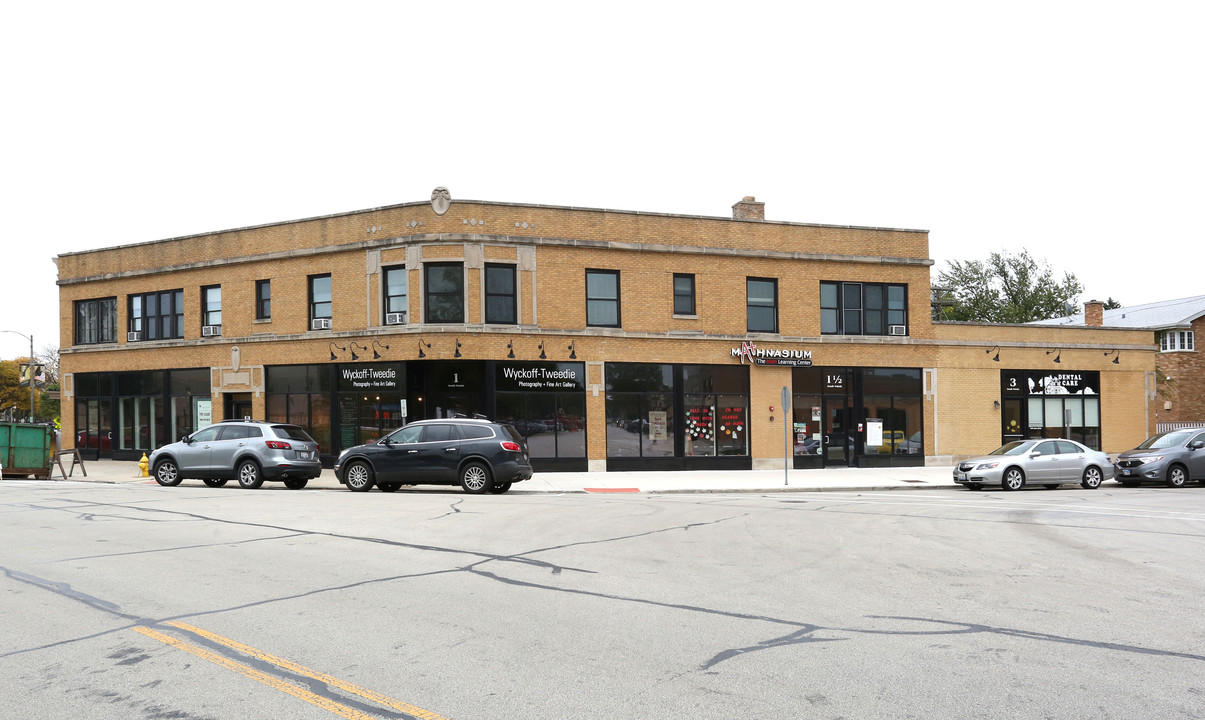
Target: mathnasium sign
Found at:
x=788, y=357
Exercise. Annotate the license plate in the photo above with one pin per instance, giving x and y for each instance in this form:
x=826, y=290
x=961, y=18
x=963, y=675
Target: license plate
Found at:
x=962, y=476
x=1126, y=472
x=304, y=455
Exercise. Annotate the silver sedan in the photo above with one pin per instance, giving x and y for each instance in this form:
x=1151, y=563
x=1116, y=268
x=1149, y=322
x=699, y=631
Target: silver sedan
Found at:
x=1035, y=462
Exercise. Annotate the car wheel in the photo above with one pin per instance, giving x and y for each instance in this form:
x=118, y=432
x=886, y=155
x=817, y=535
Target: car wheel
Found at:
x=500, y=488
x=1092, y=478
x=296, y=483
x=359, y=477
x=167, y=474
x=475, y=478
x=389, y=487
x=974, y=486
x=214, y=482
x=1176, y=476
x=1013, y=479
x=249, y=475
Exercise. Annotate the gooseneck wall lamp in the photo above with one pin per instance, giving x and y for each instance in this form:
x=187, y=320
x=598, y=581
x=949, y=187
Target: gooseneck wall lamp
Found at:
x=995, y=349
x=421, y=344
x=376, y=355
x=1116, y=356
x=1057, y=352
x=332, y=347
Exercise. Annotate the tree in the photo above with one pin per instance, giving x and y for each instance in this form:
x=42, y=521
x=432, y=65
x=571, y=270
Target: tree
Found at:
x=48, y=358
x=1112, y=304
x=1005, y=288
x=14, y=396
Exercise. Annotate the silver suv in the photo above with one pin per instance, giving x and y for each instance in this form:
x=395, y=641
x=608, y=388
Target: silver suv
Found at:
x=1171, y=458
x=250, y=451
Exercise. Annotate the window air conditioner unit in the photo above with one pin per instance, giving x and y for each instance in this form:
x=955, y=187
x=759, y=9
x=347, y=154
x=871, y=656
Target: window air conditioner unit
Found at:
x=320, y=324
x=898, y=330
x=397, y=318
x=134, y=336
x=211, y=330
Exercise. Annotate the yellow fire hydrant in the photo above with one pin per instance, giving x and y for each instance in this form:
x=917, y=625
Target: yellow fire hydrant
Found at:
x=142, y=465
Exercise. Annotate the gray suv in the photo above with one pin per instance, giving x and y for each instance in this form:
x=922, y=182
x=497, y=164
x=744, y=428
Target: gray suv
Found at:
x=247, y=450
x=1172, y=458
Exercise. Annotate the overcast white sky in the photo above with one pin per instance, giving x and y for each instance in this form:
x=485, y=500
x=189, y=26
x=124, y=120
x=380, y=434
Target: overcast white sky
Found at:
x=1073, y=129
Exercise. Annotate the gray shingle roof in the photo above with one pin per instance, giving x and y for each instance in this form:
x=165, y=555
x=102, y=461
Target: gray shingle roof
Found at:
x=1154, y=316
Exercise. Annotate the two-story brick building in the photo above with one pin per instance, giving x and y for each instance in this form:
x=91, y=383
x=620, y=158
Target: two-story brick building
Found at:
x=611, y=339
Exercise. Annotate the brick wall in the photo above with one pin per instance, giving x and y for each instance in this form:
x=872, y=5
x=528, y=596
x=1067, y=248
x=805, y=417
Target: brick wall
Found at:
x=551, y=254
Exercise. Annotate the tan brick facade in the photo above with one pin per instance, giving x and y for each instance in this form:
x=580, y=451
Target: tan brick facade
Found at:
x=551, y=250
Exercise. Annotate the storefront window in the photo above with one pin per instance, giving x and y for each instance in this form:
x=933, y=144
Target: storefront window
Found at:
x=300, y=395
x=677, y=411
x=546, y=403
x=1063, y=404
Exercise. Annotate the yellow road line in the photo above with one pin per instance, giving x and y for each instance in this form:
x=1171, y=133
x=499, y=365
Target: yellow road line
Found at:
x=321, y=677
x=276, y=683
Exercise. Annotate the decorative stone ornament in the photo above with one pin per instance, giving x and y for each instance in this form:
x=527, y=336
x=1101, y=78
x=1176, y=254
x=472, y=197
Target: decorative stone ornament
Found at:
x=441, y=200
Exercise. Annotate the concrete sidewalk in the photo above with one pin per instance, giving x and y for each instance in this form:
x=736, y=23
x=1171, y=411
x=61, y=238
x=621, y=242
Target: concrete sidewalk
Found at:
x=705, y=481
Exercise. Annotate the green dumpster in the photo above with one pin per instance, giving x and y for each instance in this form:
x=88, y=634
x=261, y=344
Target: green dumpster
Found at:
x=25, y=450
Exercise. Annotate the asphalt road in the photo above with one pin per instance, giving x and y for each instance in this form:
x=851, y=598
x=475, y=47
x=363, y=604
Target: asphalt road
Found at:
x=136, y=601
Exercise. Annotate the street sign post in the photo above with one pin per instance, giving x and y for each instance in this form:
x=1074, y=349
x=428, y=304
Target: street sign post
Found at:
x=786, y=434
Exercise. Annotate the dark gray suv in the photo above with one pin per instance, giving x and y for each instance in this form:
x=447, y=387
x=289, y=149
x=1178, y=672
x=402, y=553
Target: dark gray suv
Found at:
x=479, y=455
x=1172, y=458
x=247, y=450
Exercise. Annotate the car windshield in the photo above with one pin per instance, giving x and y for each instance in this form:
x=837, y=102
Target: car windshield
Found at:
x=1017, y=447
x=1166, y=440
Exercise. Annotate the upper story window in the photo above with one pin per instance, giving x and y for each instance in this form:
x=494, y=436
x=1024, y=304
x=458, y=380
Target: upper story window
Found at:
x=320, y=302
x=500, y=304
x=602, y=298
x=96, y=321
x=211, y=309
x=396, y=285
x=851, y=308
x=444, y=289
x=156, y=316
x=684, y=294
x=761, y=304
x=263, y=299
x=1173, y=340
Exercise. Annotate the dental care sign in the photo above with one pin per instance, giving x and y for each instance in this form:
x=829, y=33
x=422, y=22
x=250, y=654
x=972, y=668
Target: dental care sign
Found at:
x=788, y=357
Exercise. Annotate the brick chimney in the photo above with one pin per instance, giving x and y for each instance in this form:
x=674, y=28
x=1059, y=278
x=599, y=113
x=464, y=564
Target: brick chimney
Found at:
x=749, y=209
x=1094, y=313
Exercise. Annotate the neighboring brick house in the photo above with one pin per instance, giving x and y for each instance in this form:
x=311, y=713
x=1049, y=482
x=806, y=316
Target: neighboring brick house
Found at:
x=611, y=339
x=1179, y=399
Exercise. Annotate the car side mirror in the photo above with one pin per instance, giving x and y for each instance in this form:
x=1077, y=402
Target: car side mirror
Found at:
x=1196, y=444
x=1035, y=454
x=186, y=440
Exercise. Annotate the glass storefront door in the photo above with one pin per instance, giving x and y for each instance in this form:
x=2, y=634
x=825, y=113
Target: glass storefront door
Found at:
x=94, y=436
x=837, y=441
